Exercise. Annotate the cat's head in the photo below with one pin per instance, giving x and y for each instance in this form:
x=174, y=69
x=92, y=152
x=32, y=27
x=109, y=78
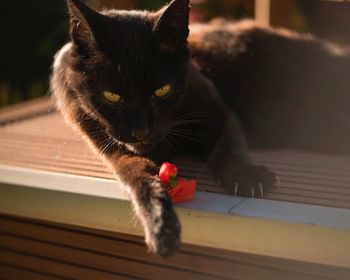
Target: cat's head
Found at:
x=130, y=67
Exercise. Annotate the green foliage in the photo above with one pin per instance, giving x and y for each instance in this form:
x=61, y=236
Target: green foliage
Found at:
x=32, y=31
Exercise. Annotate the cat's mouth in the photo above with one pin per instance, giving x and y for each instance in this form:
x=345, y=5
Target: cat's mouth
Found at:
x=141, y=147
x=144, y=146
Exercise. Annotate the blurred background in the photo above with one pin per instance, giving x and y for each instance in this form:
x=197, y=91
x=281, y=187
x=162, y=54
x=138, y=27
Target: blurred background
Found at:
x=32, y=31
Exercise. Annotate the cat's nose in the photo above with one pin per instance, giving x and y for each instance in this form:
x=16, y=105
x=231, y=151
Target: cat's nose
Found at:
x=141, y=133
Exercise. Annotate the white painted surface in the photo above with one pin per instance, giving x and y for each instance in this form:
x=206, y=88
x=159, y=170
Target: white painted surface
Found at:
x=212, y=202
x=204, y=201
x=294, y=212
x=62, y=182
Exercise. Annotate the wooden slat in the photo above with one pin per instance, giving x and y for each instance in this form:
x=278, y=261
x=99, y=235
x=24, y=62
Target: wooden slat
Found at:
x=24, y=110
x=10, y=272
x=184, y=262
x=64, y=270
x=49, y=247
x=93, y=260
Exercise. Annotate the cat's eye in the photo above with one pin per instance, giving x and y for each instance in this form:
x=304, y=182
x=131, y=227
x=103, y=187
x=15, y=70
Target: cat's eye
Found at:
x=111, y=97
x=164, y=91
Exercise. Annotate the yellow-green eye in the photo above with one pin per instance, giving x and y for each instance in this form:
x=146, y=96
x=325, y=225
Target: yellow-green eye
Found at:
x=111, y=96
x=163, y=91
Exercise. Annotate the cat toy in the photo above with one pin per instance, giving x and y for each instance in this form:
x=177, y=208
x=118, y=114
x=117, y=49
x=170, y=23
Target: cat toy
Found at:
x=179, y=189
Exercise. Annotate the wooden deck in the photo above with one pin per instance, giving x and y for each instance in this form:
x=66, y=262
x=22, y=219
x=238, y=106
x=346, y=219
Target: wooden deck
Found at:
x=35, y=244
x=37, y=250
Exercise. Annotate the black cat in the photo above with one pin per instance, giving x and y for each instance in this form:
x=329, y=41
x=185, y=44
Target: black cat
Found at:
x=141, y=90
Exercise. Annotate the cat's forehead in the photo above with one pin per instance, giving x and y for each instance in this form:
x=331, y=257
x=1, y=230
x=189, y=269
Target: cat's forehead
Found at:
x=129, y=35
x=128, y=46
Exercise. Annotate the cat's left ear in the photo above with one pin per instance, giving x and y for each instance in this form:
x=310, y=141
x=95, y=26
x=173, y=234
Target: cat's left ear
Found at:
x=171, y=29
x=83, y=23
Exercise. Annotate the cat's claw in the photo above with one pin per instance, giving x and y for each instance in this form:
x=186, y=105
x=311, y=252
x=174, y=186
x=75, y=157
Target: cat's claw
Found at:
x=250, y=181
x=261, y=189
x=252, y=191
x=277, y=182
x=236, y=189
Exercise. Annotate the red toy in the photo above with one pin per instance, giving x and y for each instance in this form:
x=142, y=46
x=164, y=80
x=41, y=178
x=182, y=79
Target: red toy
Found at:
x=179, y=189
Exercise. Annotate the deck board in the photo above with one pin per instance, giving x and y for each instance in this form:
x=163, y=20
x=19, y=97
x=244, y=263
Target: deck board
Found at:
x=32, y=247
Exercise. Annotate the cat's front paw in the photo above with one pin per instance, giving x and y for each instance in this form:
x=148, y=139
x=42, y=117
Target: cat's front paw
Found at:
x=250, y=181
x=166, y=233
x=162, y=226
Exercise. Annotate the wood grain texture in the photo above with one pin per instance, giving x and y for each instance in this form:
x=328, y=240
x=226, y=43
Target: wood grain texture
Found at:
x=49, y=250
x=21, y=111
x=14, y=273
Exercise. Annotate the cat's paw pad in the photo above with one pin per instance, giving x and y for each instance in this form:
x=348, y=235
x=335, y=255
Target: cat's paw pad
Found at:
x=251, y=181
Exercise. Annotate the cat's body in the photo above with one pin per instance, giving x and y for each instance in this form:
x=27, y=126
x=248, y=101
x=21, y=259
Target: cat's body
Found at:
x=289, y=90
x=128, y=83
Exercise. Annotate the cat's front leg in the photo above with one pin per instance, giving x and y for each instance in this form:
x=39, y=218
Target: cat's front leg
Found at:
x=150, y=201
x=230, y=163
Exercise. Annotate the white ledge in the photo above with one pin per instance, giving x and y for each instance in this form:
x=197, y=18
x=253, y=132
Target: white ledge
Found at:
x=61, y=182
x=279, y=229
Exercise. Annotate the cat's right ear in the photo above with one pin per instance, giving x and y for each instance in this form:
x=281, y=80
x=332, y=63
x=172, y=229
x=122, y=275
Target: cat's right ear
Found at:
x=171, y=29
x=83, y=23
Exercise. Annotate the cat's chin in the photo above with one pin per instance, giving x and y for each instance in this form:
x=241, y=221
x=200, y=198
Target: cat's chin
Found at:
x=141, y=148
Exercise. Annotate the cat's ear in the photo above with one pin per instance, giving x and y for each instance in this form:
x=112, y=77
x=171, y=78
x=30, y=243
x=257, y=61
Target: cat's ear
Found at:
x=83, y=23
x=171, y=29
